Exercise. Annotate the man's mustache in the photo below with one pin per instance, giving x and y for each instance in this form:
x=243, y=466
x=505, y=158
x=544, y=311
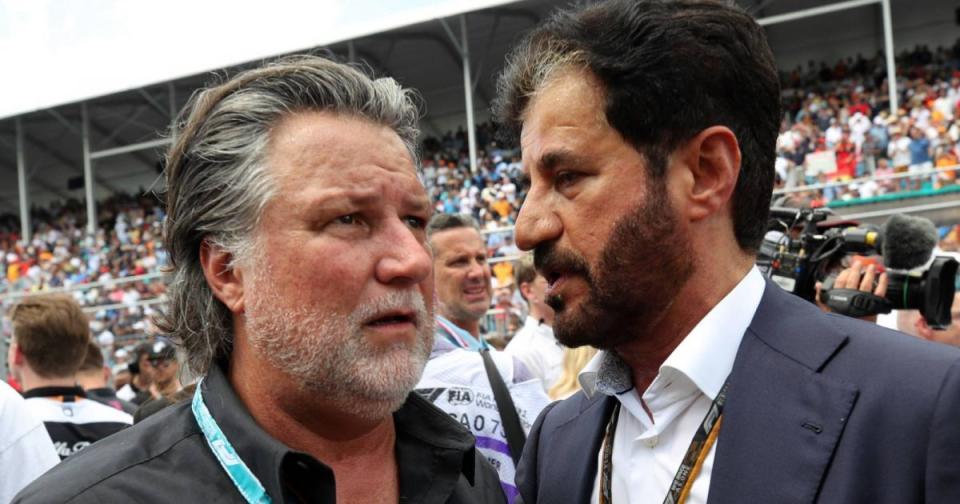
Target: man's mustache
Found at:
x=552, y=261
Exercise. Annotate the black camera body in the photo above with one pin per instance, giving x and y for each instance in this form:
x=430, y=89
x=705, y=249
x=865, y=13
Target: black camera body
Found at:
x=800, y=250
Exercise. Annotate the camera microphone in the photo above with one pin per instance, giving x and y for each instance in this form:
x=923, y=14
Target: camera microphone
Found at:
x=908, y=242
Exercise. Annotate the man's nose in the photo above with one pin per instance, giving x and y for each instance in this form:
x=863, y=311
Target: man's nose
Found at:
x=406, y=258
x=536, y=223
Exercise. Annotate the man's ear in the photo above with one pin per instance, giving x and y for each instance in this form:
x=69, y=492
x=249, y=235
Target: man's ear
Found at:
x=18, y=358
x=711, y=165
x=224, y=280
x=525, y=290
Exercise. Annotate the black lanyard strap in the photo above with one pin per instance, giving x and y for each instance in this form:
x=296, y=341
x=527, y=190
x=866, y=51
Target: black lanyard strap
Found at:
x=703, y=439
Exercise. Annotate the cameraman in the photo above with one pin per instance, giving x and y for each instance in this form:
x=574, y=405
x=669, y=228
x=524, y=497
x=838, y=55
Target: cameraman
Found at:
x=860, y=278
x=865, y=279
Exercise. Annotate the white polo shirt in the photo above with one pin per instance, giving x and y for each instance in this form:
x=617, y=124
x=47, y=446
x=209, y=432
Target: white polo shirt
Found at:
x=647, y=452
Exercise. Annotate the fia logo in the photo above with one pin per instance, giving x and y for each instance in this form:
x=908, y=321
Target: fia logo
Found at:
x=459, y=396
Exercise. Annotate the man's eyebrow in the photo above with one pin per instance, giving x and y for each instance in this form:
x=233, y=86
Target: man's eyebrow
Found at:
x=549, y=161
x=417, y=203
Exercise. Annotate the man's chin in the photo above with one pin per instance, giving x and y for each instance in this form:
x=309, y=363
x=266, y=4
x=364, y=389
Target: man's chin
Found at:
x=577, y=326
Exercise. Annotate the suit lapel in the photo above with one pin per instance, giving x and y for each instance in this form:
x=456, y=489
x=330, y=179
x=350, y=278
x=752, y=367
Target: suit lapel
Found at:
x=783, y=418
x=570, y=477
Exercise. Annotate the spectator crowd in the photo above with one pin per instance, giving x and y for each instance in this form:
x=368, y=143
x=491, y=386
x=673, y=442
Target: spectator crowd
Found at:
x=836, y=128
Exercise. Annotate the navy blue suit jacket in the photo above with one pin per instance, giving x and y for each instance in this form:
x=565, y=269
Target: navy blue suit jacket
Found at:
x=887, y=406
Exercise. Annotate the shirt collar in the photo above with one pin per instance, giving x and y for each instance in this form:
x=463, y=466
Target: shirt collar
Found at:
x=421, y=429
x=705, y=355
x=456, y=335
x=261, y=452
x=68, y=393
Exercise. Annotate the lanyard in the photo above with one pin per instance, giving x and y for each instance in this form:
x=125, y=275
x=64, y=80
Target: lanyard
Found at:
x=455, y=336
x=246, y=482
x=703, y=439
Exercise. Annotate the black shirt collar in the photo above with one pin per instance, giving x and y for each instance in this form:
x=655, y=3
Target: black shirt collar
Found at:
x=68, y=393
x=432, y=450
x=265, y=456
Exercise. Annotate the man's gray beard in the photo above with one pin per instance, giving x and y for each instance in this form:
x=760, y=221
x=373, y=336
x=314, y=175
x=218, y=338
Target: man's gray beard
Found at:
x=328, y=354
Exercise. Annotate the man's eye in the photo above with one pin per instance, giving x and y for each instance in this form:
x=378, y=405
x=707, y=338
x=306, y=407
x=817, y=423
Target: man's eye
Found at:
x=566, y=178
x=348, y=219
x=416, y=222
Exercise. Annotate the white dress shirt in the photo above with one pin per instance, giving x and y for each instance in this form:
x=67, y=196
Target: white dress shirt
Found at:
x=538, y=349
x=647, y=452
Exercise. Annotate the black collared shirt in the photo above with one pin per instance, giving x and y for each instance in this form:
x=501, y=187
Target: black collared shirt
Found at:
x=166, y=459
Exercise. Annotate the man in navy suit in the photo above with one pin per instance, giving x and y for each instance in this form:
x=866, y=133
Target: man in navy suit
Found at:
x=648, y=131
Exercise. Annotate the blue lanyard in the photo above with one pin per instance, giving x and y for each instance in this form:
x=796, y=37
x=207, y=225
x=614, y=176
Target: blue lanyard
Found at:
x=246, y=482
x=460, y=337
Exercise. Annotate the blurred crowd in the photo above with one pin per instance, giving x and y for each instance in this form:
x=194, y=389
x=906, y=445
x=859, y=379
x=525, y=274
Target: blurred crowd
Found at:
x=838, y=126
x=93, y=269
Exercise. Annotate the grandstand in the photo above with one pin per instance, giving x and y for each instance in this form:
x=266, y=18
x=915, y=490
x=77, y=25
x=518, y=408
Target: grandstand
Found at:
x=849, y=140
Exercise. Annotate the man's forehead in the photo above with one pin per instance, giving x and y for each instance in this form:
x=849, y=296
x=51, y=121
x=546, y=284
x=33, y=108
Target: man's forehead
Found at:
x=568, y=104
x=457, y=240
x=311, y=140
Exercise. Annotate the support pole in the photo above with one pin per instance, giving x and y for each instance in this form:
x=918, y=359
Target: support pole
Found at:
x=88, y=171
x=172, y=92
x=468, y=94
x=889, y=50
x=26, y=233
x=351, y=52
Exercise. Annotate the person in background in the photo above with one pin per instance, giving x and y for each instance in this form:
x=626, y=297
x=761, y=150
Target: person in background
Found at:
x=51, y=336
x=462, y=275
x=94, y=378
x=141, y=370
x=534, y=344
x=26, y=450
x=166, y=368
x=121, y=376
x=456, y=378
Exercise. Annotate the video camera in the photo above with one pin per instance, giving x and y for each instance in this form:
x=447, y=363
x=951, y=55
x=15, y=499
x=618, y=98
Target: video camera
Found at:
x=801, y=248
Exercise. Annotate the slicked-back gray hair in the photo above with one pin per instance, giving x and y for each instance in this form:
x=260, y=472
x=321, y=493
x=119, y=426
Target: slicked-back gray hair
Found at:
x=218, y=182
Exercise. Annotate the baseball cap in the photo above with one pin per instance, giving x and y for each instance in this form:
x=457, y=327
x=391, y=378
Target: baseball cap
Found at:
x=162, y=349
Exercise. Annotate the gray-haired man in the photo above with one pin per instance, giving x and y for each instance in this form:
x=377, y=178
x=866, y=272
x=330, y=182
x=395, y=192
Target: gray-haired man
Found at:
x=302, y=293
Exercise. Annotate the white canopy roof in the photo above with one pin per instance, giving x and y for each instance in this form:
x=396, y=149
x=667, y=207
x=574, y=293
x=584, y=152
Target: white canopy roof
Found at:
x=60, y=51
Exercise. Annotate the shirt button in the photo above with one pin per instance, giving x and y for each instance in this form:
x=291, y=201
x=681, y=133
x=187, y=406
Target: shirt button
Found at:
x=651, y=442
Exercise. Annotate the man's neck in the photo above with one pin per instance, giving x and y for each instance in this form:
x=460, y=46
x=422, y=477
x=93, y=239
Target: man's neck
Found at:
x=646, y=352
x=32, y=381
x=472, y=326
x=300, y=419
x=89, y=382
x=360, y=451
